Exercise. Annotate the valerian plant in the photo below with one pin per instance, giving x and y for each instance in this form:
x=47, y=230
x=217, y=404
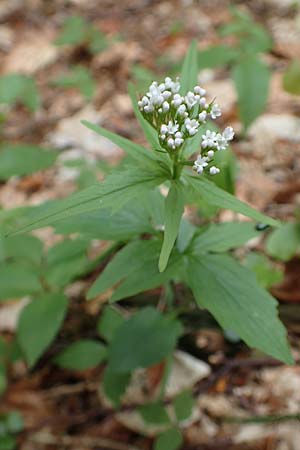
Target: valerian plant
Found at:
x=155, y=245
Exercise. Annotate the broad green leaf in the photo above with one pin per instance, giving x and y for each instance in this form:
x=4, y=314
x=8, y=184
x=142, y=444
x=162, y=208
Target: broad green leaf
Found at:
x=82, y=355
x=218, y=197
x=185, y=235
x=284, y=242
x=7, y=442
x=173, y=213
x=137, y=152
x=65, y=261
x=183, y=405
x=253, y=38
x=113, y=193
x=17, y=280
x=169, y=440
x=115, y=384
x=152, y=335
x=291, y=78
x=39, y=323
x=224, y=236
x=231, y=294
x=267, y=274
x=128, y=222
x=110, y=320
x=218, y=55
x=97, y=41
x=134, y=268
x=79, y=78
x=251, y=77
x=147, y=277
x=189, y=71
x=15, y=88
x=21, y=159
x=154, y=413
x=23, y=247
x=14, y=422
x=74, y=31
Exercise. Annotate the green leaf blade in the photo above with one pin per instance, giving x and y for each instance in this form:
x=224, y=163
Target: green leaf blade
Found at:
x=251, y=77
x=218, y=197
x=189, y=71
x=39, y=323
x=230, y=292
x=82, y=355
x=173, y=212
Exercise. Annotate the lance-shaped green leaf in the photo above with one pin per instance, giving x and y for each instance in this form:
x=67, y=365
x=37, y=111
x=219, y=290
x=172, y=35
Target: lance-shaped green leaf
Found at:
x=218, y=197
x=137, y=152
x=173, y=213
x=189, y=71
x=23, y=159
x=170, y=439
x=82, y=355
x=113, y=193
x=251, y=77
x=231, y=293
x=151, y=334
x=284, y=242
x=134, y=268
x=39, y=323
x=149, y=131
x=224, y=236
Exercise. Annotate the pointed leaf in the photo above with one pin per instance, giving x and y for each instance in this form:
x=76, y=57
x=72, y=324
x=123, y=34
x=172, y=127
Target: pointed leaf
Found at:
x=224, y=236
x=39, y=323
x=251, y=77
x=169, y=440
x=284, y=242
x=173, y=213
x=231, y=294
x=136, y=151
x=113, y=193
x=189, y=71
x=152, y=335
x=82, y=355
x=218, y=197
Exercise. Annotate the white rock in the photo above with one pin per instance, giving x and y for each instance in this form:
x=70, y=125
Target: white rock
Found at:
x=276, y=126
x=71, y=133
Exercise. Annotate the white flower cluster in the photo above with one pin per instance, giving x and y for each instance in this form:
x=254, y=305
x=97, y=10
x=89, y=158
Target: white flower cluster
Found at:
x=179, y=117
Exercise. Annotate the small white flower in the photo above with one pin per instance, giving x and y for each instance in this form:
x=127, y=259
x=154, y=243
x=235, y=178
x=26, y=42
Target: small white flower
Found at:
x=214, y=170
x=149, y=108
x=171, y=142
x=190, y=99
x=191, y=126
x=176, y=86
x=172, y=127
x=177, y=100
x=178, y=139
x=221, y=142
x=200, y=164
x=164, y=129
x=202, y=102
x=210, y=154
x=166, y=94
x=165, y=107
x=163, y=137
x=209, y=139
x=181, y=110
x=199, y=90
x=228, y=133
x=202, y=116
x=215, y=111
